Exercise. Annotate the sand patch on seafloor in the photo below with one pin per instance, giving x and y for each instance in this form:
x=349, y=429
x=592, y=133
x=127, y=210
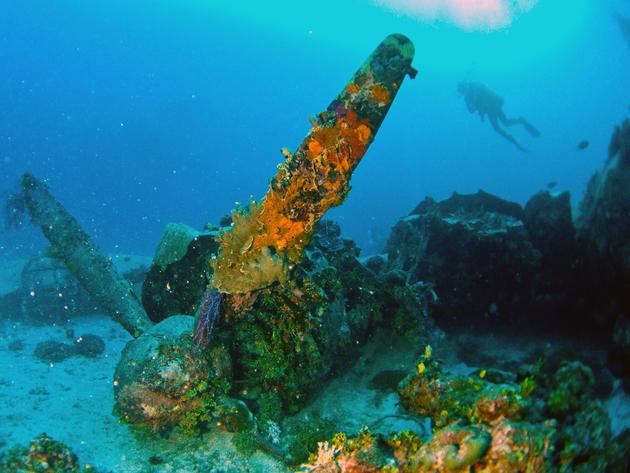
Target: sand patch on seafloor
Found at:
x=72, y=402
x=352, y=402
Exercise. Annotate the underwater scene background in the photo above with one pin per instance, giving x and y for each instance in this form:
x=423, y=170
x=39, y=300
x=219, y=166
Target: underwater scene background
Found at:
x=462, y=307
x=123, y=106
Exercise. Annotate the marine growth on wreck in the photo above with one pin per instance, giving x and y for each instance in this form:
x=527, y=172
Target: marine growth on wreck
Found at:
x=487, y=335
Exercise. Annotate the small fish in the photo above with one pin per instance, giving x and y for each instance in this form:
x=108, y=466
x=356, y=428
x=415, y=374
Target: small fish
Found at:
x=583, y=144
x=552, y=184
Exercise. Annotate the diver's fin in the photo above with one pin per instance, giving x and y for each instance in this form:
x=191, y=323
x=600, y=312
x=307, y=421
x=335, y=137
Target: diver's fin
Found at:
x=530, y=128
x=517, y=144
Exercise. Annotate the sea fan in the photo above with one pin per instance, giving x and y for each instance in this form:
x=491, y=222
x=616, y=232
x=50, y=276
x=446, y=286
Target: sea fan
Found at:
x=206, y=318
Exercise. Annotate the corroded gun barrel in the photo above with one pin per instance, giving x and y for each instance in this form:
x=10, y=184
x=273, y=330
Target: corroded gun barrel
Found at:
x=92, y=268
x=266, y=240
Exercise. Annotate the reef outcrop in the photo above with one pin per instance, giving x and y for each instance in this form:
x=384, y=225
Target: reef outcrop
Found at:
x=549, y=422
x=492, y=263
x=603, y=227
x=475, y=252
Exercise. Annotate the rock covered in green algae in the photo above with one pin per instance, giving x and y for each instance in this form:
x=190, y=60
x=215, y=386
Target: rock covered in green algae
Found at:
x=583, y=440
x=42, y=455
x=52, y=351
x=180, y=272
x=293, y=336
x=572, y=389
x=161, y=380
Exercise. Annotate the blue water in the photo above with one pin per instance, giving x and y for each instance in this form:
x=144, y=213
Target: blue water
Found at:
x=142, y=113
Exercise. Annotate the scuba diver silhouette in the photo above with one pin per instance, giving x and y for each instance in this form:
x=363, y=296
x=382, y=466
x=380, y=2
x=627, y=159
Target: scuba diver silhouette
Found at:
x=482, y=100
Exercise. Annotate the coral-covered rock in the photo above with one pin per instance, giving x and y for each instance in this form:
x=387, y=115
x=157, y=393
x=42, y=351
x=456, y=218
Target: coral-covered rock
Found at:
x=572, y=389
x=43, y=455
x=357, y=455
x=507, y=447
x=584, y=440
x=518, y=447
x=476, y=250
x=286, y=338
x=451, y=449
x=161, y=380
x=448, y=398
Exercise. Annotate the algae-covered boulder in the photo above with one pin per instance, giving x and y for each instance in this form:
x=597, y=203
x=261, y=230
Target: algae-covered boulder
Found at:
x=476, y=250
x=42, y=455
x=180, y=272
x=162, y=381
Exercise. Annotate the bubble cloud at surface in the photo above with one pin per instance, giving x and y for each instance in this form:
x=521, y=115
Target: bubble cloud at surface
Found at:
x=466, y=14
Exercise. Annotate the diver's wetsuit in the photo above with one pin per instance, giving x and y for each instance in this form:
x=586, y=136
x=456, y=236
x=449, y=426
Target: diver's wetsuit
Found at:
x=482, y=100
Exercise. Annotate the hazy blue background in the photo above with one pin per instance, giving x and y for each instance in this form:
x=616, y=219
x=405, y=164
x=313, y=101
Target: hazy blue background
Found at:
x=139, y=113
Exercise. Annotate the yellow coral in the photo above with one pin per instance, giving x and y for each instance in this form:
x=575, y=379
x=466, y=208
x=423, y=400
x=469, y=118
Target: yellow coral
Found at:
x=239, y=265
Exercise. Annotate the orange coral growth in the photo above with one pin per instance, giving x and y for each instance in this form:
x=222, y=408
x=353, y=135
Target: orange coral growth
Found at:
x=364, y=133
x=240, y=267
x=381, y=94
x=315, y=147
x=352, y=88
x=262, y=245
x=311, y=181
